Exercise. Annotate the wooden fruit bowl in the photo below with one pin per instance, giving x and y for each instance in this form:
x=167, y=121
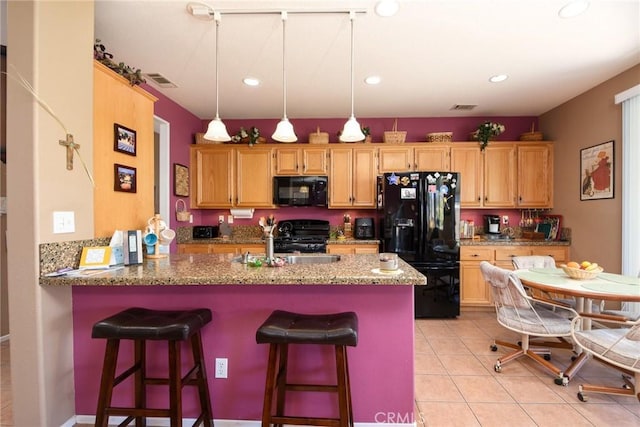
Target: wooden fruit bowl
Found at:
x=579, y=274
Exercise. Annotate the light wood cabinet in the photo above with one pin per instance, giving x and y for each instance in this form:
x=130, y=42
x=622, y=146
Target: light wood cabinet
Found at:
x=487, y=177
x=474, y=291
x=212, y=176
x=432, y=158
x=352, y=178
x=220, y=248
x=116, y=101
x=499, y=173
x=194, y=248
x=350, y=249
x=416, y=158
x=223, y=176
x=467, y=161
x=535, y=175
x=254, y=185
x=300, y=161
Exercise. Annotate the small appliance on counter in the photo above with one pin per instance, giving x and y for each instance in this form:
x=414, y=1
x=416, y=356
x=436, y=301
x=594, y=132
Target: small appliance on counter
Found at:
x=205, y=231
x=491, y=224
x=364, y=228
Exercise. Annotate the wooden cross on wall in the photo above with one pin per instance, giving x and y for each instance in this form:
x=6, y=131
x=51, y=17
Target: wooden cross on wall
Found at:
x=70, y=147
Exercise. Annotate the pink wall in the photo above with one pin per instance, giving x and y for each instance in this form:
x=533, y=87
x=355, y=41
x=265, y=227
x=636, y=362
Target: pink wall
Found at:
x=385, y=344
x=416, y=128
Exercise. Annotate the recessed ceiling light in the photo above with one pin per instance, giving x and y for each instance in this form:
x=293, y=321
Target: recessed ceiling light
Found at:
x=498, y=78
x=387, y=7
x=373, y=80
x=573, y=8
x=251, y=81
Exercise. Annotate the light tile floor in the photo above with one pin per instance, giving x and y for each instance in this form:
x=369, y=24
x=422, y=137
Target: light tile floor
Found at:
x=455, y=384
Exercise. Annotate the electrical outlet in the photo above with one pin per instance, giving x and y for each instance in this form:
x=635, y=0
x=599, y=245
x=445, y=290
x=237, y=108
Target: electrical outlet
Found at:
x=220, y=219
x=221, y=367
x=64, y=222
x=230, y=219
x=505, y=219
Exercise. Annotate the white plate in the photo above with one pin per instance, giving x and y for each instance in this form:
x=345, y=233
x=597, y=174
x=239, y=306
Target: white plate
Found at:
x=387, y=272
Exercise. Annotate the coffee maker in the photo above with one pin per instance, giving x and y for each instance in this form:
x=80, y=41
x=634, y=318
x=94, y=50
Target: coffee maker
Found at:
x=364, y=228
x=491, y=224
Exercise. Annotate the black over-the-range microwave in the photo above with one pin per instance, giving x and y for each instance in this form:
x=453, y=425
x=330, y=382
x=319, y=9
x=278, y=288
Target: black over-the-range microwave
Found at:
x=300, y=190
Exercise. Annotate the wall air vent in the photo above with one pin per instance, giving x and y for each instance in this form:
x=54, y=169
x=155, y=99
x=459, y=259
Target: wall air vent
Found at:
x=160, y=80
x=463, y=107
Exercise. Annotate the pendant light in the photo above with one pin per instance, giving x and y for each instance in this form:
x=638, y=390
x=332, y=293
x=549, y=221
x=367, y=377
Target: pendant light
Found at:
x=217, y=131
x=284, y=131
x=352, y=131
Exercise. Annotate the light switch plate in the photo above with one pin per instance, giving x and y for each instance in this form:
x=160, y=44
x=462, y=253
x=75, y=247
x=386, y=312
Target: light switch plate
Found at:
x=64, y=222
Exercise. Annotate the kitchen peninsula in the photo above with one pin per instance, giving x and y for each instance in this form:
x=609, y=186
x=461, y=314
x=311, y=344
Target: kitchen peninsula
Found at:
x=241, y=297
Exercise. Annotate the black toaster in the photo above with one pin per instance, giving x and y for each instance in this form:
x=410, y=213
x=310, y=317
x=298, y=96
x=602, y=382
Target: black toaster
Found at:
x=205, y=231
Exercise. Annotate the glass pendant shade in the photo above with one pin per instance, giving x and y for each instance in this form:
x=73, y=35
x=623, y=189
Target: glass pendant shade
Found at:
x=352, y=131
x=217, y=131
x=284, y=132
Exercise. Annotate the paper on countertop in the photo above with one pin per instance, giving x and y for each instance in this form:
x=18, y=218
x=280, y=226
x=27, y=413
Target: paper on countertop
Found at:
x=117, y=248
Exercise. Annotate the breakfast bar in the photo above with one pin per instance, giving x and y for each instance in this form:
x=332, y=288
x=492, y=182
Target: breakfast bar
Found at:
x=241, y=296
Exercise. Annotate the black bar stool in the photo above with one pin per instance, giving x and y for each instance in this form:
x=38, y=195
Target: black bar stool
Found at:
x=283, y=328
x=140, y=325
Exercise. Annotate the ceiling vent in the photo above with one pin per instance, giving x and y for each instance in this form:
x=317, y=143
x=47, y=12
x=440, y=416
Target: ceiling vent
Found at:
x=463, y=107
x=160, y=80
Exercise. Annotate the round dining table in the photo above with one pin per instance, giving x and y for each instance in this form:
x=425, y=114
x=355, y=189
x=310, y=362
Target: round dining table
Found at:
x=605, y=286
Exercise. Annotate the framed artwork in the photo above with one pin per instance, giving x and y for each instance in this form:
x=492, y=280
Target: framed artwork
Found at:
x=125, y=178
x=124, y=139
x=180, y=180
x=597, y=172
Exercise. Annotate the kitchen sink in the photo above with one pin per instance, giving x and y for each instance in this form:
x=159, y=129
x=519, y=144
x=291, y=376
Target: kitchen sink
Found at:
x=312, y=259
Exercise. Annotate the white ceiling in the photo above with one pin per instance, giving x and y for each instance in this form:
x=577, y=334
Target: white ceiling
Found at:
x=431, y=55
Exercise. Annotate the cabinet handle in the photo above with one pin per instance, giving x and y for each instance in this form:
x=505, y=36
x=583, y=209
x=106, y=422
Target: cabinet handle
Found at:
x=409, y=166
x=475, y=255
x=479, y=198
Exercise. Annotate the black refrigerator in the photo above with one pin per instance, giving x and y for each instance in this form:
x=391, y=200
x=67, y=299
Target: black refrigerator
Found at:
x=421, y=213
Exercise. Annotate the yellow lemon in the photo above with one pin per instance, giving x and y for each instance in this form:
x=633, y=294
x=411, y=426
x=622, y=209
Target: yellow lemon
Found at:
x=584, y=264
x=573, y=264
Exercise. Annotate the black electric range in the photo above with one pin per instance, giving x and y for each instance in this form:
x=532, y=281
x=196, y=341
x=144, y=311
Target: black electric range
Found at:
x=302, y=235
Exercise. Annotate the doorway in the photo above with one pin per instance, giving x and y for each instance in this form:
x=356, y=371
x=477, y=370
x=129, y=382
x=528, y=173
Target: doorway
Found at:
x=162, y=178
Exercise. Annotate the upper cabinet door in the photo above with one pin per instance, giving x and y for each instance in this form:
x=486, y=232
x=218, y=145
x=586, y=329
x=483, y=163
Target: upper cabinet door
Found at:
x=314, y=161
x=499, y=176
x=432, y=158
x=535, y=175
x=341, y=178
x=364, y=177
x=287, y=161
x=254, y=179
x=212, y=177
x=395, y=159
x=466, y=159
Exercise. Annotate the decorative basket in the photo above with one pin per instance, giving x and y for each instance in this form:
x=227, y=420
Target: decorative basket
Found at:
x=439, y=137
x=531, y=136
x=182, y=214
x=201, y=140
x=394, y=136
x=319, y=137
x=579, y=274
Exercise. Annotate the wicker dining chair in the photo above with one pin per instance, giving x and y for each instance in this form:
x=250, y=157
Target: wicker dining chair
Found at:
x=529, y=316
x=617, y=346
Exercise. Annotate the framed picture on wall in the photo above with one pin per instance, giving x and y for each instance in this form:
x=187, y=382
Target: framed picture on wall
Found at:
x=180, y=180
x=597, y=172
x=124, y=139
x=125, y=178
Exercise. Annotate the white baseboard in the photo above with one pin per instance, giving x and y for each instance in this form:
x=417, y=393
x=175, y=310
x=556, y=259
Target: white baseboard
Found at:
x=163, y=422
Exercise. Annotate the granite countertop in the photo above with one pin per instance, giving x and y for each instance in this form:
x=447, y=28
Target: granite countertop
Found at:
x=513, y=242
x=218, y=269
